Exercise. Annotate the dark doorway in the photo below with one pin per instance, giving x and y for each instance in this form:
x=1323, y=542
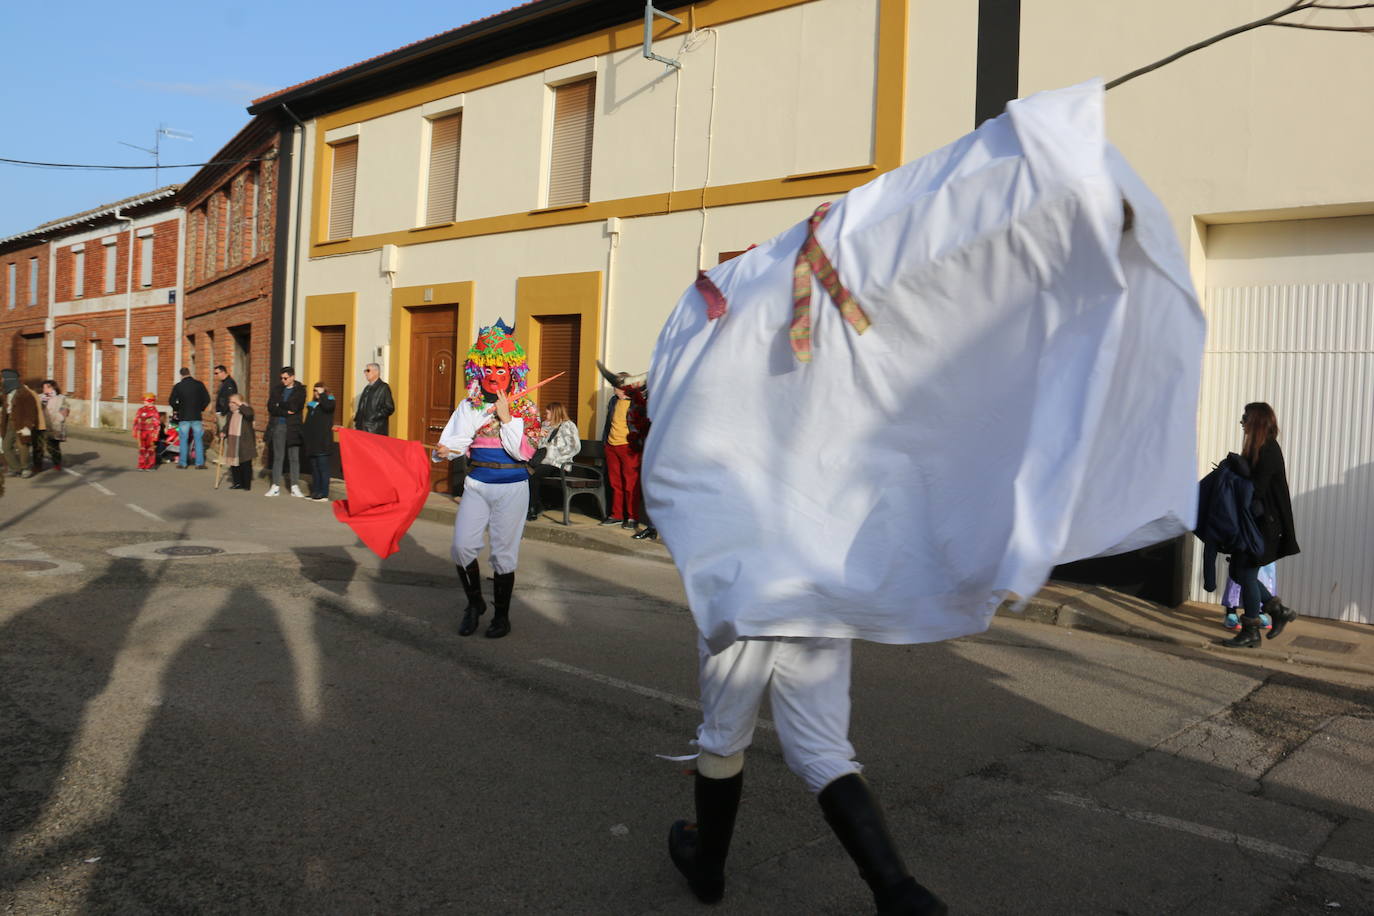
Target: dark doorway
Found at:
x=434, y=378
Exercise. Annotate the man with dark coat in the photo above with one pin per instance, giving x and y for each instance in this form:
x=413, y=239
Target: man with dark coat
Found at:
x=227, y=386
x=189, y=400
x=285, y=408
x=374, y=404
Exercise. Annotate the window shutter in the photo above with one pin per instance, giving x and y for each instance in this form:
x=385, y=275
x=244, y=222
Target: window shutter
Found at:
x=570, y=164
x=560, y=343
x=331, y=359
x=341, y=190
x=446, y=139
x=145, y=269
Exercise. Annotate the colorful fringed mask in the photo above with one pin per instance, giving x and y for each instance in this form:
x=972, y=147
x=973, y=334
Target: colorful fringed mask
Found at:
x=495, y=363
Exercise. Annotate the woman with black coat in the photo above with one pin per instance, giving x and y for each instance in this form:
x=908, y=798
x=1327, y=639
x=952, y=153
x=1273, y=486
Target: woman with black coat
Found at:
x=319, y=439
x=1273, y=511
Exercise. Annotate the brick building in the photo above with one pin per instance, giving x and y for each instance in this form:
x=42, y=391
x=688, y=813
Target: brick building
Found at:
x=105, y=325
x=232, y=271
x=24, y=297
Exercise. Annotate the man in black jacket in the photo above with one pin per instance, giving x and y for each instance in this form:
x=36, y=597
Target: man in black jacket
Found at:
x=374, y=404
x=227, y=386
x=188, y=401
x=284, y=409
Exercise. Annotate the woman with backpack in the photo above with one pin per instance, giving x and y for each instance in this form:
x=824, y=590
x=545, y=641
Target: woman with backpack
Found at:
x=1273, y=513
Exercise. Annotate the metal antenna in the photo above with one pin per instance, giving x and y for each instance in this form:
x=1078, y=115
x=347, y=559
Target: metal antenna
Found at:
x=156, y=151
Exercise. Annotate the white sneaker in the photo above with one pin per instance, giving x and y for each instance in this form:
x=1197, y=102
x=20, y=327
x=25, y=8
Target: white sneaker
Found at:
x=274, y=491
x=296, y=491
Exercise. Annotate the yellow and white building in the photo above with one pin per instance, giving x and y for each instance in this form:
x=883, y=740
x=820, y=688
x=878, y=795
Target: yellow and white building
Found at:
x=538, y=167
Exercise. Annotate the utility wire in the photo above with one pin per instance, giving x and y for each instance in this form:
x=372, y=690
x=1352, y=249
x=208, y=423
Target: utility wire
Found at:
x=108, y=168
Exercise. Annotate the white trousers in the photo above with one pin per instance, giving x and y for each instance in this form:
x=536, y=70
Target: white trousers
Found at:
x=808, y=683
x=495, y=508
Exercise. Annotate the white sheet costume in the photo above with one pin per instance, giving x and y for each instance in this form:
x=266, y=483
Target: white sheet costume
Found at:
x=1015, y=387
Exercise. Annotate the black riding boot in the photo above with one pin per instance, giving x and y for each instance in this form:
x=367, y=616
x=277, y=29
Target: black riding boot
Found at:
x=1249, y=635
x=1280, y=616
x=471, y=577
x=698, y=850
x=502, y=586
x=857, y=819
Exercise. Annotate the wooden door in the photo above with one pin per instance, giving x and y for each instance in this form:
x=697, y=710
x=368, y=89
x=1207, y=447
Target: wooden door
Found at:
x=435, y=377
x=560, y=345
x=35, y=361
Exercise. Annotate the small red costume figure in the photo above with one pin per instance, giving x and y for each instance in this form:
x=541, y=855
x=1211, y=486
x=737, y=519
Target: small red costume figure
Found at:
x=146, y=427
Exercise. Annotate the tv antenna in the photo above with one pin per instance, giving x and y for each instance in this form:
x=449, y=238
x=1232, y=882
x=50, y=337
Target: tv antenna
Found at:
x=156, y=150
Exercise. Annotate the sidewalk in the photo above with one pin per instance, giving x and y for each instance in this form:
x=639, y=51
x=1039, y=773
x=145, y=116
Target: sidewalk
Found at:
x=1310, y=641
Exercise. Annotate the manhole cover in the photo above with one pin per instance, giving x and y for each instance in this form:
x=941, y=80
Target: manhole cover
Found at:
x=1323, y=645
x=30, y=565
x=189, y=550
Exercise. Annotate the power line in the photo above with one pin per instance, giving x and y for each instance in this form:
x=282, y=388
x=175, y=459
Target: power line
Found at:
x=119, y=168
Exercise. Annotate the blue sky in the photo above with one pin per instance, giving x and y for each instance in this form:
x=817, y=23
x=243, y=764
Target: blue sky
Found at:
x=79, y=77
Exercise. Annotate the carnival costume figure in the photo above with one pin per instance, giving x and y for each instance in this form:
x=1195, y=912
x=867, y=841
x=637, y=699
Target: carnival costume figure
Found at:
x=497, y=427
x=147, y=424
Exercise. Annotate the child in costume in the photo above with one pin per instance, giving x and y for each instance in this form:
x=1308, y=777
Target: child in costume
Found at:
x=497, y=428
x=146, y=426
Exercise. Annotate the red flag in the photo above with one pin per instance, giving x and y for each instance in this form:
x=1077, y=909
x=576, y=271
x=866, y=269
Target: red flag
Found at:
x=388, y=483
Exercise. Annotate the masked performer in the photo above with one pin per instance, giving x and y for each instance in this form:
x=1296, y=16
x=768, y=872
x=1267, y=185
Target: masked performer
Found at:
x=943, y=403
x=497, y=428
x=147, y=424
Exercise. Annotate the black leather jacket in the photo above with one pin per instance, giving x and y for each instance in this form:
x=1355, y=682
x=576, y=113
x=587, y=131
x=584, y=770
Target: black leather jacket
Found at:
x=374, y=407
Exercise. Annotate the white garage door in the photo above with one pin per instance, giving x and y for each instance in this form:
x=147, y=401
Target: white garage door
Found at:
x=1290, y=308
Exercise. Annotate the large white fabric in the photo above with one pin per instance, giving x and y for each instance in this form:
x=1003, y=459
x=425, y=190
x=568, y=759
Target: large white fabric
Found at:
x=1025, y=396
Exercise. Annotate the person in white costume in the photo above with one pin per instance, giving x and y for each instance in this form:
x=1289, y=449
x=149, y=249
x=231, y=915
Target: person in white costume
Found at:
x=498, y=433
x=1000, y=348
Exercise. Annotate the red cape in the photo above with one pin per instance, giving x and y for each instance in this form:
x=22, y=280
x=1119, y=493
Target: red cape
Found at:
x=388, y=483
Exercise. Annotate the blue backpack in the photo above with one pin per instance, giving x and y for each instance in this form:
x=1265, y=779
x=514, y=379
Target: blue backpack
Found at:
x=1223, y=509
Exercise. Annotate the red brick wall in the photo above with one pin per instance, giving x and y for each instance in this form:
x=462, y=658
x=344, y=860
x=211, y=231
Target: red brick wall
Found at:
x=164, y=262
x=102, y=328
x=22, y=319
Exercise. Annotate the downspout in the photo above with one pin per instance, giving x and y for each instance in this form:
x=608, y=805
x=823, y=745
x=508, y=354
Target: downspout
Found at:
x=299, y=152
x=128, y=318
x=179, y=320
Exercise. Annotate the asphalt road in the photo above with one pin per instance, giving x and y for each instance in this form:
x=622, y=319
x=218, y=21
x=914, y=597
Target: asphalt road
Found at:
x=289, y=725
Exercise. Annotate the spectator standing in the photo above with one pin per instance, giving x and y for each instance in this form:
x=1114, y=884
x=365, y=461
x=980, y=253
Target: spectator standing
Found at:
x=55, y=411
x=226, y=387
x=285, y=407
x=240, y=443
x=319, y=440
x=147, y=425
x=1273, y=512
x=375, y=405
x=558, y=446
x=189, y=400
x=626, y=418
x=23, y=417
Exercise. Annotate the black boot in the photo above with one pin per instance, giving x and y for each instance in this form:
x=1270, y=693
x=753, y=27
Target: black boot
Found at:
x=471, y=577
x=1280, y=616
x=857, y=819
x=698, y=850
x=648, y=534
x=502, y=586
x=1249, y=635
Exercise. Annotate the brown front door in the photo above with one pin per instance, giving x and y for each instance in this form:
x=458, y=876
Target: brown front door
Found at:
x=35, y=361
x=435, y=375
x=560, y=343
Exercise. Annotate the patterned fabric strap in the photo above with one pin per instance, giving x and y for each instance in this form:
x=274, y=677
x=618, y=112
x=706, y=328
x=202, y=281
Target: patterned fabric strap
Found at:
x=715, y=299
x=812, y=260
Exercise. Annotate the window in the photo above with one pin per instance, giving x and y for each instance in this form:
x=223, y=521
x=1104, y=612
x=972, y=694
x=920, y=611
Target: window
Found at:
x=111, y=252
x=150, y=367
x=33, y=281
x=341, y=187
x=68, y=369
x=145, y=267
x=445, y=140
x=123, y=382
x=11, y=271
x=570, y=160
x=78, y=272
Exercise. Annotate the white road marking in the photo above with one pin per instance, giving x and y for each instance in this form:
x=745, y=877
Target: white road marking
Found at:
x=651, y=693
x=99, y=488
x=71, y=472
x=144, y=512
x=1231, y=838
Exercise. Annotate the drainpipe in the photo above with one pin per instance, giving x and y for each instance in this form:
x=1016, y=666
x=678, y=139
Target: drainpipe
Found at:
x=296, y=252
x=128, y=317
